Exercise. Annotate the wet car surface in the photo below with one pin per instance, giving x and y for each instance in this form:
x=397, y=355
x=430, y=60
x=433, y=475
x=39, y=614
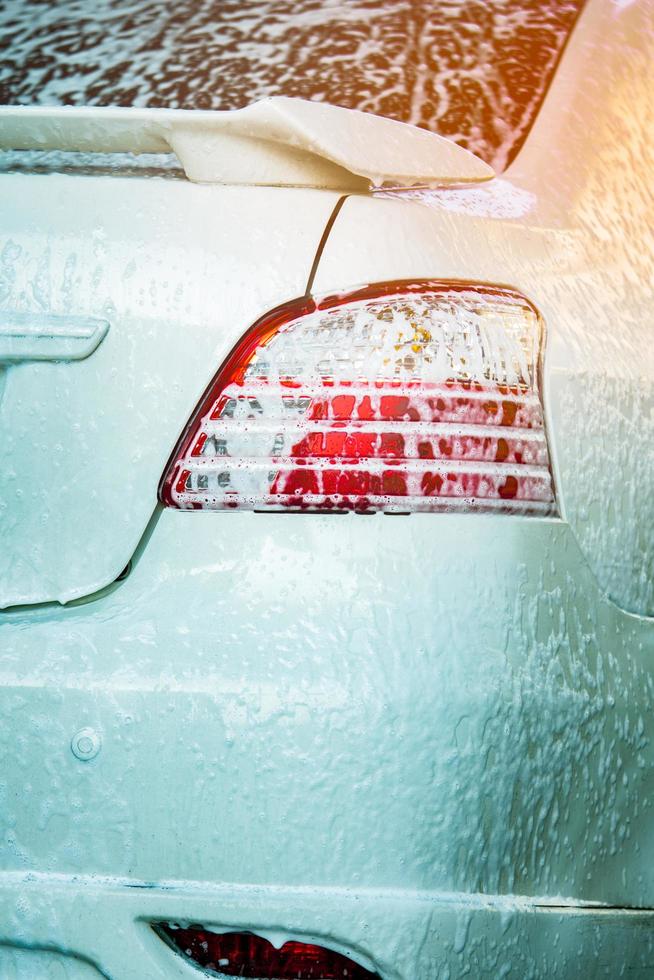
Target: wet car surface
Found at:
x=473, y=71
x=424, y=744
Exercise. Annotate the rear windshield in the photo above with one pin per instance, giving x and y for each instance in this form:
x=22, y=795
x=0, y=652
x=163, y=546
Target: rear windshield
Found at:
x=471, y=70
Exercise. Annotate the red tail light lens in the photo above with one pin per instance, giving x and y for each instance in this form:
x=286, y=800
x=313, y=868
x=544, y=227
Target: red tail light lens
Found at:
x=400, y=397
x=242, y=954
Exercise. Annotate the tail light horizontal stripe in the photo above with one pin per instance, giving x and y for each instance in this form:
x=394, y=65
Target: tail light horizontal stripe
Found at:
x=372, y=465
x=359, y=440
x=343, y=503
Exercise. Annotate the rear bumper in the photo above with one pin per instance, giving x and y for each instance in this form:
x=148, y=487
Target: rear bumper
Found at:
x=103, y=926
x=366, y=727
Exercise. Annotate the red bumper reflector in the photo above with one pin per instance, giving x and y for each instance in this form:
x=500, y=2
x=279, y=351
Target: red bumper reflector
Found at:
x=399, y=397
x=242, y=954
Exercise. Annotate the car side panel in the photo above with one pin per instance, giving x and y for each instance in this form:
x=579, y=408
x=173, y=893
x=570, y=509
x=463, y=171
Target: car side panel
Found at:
x=570, y=225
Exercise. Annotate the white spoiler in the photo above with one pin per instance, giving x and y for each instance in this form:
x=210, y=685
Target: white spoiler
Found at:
x=278, y=141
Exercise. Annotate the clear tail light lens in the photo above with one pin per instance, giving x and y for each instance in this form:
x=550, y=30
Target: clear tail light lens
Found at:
x=242, y=954
x=398, y=397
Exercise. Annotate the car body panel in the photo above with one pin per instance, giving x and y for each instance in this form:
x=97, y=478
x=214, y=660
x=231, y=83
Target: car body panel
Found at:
x=569, y=224
x=404, y=935
x=309, y=701
x=17, y=963
x=166, y=264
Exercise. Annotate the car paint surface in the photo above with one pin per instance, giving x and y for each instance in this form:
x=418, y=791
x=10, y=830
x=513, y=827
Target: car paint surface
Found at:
x=425, y=741
x=165, y=262
x=309, y=702
x=578, y=240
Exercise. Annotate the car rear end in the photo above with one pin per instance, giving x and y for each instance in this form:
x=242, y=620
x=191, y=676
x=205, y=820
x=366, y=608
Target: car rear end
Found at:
x=328, y=570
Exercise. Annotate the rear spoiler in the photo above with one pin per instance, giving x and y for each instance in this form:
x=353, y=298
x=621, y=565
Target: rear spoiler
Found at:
x=278, y=141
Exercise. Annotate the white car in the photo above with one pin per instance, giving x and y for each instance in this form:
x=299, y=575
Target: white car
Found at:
x=326, y=540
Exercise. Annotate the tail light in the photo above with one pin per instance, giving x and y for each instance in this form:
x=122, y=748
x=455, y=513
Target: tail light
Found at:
x=242, y=954
x=398, y=397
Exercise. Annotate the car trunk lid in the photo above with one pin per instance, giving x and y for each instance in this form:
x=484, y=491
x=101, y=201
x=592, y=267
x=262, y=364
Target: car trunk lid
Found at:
x=119, y=297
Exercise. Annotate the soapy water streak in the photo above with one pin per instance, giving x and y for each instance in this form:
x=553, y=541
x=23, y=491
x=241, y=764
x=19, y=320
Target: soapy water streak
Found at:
x=398, y=403
x=471, y=70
